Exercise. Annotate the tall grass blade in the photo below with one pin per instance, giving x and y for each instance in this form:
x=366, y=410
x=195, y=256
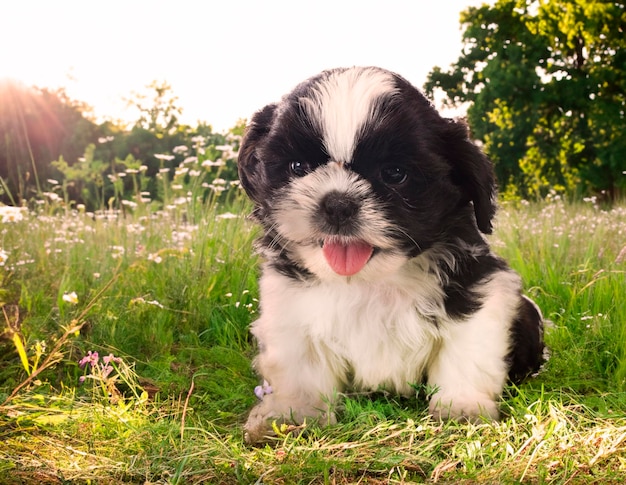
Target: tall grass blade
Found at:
x=21, y=351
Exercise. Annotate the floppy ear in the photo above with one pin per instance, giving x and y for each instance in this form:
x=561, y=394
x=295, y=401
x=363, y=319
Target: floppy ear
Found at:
x=251, y=173
x=473, y=172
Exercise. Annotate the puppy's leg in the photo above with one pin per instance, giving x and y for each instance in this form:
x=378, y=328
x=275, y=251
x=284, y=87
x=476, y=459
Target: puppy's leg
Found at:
x=468, y=381
x=302, y=385
x=470, y=368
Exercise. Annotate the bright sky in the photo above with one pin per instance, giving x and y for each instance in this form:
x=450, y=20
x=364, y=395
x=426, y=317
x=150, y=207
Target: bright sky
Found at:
x=224, y=59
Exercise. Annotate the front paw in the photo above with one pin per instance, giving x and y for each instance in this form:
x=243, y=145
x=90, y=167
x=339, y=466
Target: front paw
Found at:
x=265, y=418
x=259, y=426
x=474, y=408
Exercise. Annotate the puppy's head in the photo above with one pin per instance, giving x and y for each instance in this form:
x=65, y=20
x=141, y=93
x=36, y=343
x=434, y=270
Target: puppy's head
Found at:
x=354, y=172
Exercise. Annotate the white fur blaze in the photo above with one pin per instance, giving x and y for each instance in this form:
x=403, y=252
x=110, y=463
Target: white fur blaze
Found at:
x=343, y=104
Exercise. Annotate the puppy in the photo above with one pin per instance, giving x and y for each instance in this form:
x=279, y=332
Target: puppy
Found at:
x=376, y=274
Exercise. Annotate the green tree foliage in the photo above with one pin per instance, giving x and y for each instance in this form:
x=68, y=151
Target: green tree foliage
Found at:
x=158, y=111
x=545, y=82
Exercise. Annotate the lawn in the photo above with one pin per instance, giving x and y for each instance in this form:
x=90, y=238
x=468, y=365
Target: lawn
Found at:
x=125, y=357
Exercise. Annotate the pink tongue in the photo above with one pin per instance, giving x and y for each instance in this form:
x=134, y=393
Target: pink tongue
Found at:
x=347, y=259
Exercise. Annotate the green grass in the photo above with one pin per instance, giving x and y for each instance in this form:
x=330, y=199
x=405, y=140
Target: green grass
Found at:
x=172, y=293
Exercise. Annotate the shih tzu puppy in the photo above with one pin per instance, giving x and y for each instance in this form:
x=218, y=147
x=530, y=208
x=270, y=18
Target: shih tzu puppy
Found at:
x=376, y=275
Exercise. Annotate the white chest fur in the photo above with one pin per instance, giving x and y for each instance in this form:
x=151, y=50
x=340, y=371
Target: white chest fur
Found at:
x=370, y=335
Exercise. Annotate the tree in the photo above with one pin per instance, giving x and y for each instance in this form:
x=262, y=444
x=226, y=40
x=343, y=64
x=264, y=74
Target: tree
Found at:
x=158, y=112
x=546, y=86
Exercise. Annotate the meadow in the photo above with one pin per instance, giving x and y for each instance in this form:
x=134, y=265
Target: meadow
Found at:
x=125, y=355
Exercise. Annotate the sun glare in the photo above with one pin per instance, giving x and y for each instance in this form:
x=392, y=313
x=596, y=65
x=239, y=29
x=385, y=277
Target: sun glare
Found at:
x=29, y=118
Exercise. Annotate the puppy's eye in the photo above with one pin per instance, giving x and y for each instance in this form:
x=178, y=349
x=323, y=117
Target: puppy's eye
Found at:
x=299, y=169
x=393, y=175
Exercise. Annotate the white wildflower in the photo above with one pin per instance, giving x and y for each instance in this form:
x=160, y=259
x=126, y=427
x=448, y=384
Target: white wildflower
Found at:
x=130, y=204
x=141, y=300
x=11, y=214
x=155, y=258
x=167, y=158
x=70, y=297
x=52, y=196
x=117, y=251
x=211, y=163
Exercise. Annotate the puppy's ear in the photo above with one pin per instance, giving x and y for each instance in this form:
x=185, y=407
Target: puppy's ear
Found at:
x=251, y=172
x=473, y=172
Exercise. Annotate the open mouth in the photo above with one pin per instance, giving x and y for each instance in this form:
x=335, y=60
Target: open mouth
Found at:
x=346, y=257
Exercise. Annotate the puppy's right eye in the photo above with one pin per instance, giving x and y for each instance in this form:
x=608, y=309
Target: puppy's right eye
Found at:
x=394, y=175
x=299, y=169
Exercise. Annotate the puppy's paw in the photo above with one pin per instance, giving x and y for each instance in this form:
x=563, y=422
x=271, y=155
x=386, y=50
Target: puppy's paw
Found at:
x=474, y=408
x=259, y=427
x=263, y=418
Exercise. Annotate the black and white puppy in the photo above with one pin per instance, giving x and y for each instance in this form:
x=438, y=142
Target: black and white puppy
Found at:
x=376, y=275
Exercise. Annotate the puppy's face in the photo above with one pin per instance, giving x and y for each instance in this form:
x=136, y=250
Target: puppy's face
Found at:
x=354, y=172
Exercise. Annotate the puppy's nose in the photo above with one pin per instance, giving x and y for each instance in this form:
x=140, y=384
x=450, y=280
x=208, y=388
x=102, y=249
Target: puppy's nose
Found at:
x=338, y=208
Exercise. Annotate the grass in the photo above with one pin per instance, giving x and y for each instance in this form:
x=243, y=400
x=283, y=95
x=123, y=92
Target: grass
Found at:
x=171, y=293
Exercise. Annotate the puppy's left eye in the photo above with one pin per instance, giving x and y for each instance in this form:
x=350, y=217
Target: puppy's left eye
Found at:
x=299, y=169
x=393, y=175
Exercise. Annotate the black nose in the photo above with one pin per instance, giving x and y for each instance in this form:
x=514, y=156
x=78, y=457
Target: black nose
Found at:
x=338, y=209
